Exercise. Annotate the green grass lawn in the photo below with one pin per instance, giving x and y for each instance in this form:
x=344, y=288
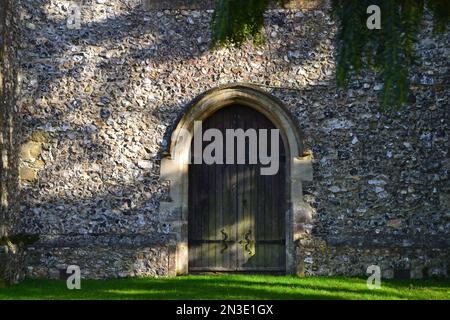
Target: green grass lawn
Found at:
x=230, y=287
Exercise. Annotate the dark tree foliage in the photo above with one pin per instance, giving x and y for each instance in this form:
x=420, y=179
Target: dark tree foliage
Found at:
x=236, y=21
x=388, y=51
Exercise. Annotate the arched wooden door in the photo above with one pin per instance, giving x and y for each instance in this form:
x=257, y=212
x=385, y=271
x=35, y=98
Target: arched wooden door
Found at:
x=236, y=215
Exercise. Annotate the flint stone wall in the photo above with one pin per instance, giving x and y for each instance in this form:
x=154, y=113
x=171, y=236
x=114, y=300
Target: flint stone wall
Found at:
x=98, y=105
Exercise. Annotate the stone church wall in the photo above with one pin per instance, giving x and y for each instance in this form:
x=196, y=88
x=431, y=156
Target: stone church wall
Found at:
x=98, y=103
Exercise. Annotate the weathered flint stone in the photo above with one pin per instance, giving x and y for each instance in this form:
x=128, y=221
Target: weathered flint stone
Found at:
x=97, y=105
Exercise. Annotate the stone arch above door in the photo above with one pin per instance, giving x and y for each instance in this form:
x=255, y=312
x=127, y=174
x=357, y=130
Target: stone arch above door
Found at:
x=174, y=166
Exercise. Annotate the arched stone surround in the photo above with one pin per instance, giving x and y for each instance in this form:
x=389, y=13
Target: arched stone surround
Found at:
x=174, y=167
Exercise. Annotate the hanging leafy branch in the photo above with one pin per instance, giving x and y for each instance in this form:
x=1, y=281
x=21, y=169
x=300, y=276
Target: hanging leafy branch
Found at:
x=389, y=51
x=236, y=21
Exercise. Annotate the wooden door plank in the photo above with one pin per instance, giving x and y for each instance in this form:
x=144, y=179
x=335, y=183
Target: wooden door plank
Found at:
x=212, y=234
x=229, y=194
x=275, y=219
x=220, y=223
x=234, y=193
x=241, y=219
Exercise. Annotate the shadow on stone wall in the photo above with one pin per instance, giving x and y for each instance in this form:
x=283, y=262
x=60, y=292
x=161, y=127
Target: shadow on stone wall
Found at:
x=11, y=246
x=97, y=103
x=83, y=87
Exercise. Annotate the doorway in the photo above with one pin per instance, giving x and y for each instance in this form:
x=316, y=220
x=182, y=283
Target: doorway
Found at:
x=236, y=219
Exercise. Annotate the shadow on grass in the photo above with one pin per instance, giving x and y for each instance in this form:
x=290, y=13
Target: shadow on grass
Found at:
x=396, y=289
x=229, y=287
